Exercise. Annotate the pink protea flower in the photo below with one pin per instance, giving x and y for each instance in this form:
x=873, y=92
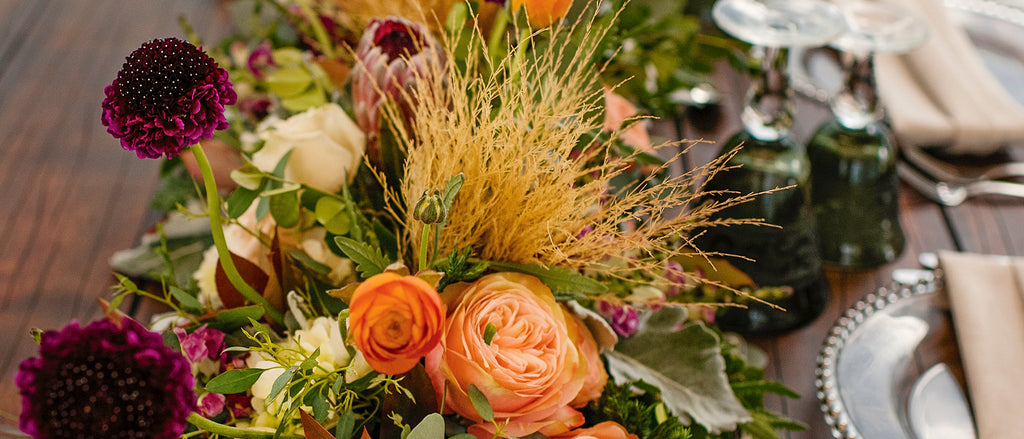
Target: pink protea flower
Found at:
x=392, y=54
x=105, y=381
x=168, y=96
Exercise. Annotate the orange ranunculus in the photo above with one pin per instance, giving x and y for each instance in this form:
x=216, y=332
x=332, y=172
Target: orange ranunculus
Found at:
x=394, y=321
x=543, y=13
x=604, y=430
x=530, y=370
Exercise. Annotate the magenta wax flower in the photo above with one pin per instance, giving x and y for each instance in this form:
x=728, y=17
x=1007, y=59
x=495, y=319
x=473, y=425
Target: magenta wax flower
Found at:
x=623, y=318
x=168, y=96
x=105, y=381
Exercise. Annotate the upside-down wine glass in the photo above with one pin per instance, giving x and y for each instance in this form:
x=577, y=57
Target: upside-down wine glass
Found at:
x=853, y=163
x=786, y=257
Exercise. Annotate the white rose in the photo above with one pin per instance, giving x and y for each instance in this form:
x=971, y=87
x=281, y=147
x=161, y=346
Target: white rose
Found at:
x=325, y=334
x=206, y=279
x=312, y=242
x=326, y=147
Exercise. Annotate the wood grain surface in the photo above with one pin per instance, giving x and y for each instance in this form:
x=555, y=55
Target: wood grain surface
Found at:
x=70, y=196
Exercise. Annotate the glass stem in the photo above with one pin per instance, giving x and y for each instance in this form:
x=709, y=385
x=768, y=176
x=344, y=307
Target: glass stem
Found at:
x=226, y=431
x=856, y=104
x=768, y=113
x=213, y=205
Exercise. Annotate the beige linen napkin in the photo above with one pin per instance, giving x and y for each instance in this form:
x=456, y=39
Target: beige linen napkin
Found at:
x=987, y=299
x=942, y=94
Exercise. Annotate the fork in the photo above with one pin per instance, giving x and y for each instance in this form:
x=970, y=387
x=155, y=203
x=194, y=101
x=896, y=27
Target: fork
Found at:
x=953, y=194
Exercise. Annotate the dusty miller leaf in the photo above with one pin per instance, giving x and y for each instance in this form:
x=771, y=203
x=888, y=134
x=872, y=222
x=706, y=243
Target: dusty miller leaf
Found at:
x=688, y=367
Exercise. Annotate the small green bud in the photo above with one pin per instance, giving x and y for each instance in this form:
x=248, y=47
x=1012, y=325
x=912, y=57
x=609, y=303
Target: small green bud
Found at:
x=430, y=208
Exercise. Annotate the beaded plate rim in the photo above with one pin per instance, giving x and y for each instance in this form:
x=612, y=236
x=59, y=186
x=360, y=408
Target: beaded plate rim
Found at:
x=825, y=380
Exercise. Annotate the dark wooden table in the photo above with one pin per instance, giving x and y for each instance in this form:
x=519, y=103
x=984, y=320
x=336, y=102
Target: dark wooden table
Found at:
x=70, y=197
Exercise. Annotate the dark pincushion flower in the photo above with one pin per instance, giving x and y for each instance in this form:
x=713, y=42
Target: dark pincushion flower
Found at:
x=168, y=96
x=105, y=381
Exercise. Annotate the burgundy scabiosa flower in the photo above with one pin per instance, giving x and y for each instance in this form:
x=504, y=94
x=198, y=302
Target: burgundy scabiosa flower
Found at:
x=168, y=96
x=105, y=381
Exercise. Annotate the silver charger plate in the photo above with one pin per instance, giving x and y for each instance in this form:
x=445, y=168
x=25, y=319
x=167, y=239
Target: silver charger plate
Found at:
x=876, y=352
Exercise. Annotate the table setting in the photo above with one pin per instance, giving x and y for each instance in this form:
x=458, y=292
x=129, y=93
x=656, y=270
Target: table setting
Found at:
x=522, y=218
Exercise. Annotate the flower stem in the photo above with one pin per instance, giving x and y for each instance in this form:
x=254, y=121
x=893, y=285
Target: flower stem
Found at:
x=226, y=431
x=318, y=29
x=213, y=205
x=424, y=239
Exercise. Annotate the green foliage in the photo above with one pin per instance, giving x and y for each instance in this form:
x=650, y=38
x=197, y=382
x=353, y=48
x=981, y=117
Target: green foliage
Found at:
x=368, y=259
x=659, y=48
x=637, y=406
x=560, y=280
x=458, y=268
x=234, y=381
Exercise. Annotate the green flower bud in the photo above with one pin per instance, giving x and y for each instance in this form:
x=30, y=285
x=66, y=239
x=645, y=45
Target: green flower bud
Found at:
x=430, y=208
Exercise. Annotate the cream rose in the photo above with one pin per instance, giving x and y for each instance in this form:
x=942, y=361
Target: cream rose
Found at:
x=530, y=370
x=326, y=146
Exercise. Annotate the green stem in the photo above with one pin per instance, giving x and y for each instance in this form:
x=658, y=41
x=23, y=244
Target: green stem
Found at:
x=318, y=29
x=226, y=431
x=424, y=239
x=213, y=205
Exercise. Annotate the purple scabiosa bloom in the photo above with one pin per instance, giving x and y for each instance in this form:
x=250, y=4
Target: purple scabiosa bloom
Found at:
x=105, y=381
x=168, y=96
x=623, y=318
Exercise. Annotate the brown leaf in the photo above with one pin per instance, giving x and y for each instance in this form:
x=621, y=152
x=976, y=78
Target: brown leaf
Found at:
x=418, y=383
x=250, y=272
x=313, y=429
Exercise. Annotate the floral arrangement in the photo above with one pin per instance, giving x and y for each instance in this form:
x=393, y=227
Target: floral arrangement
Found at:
x=422, y=219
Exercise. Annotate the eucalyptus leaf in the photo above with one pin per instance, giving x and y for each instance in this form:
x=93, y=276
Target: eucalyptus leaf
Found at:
x=281, y=382
x=234, y=318
x=480, y=403
x=284, y=207
x=289, y=81
x=248, y=179
x=309, y=262
x=346, y=425
x=187, y=301
x=688, y=367
x=284, y=188
x=240, y=200
x=312, y=97
x=431, y=427
x=234, y=381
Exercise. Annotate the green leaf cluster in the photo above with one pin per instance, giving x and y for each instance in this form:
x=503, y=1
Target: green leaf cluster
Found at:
x=637, y=406
x=457, y=267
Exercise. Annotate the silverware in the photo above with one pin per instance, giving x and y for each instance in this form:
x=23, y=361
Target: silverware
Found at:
x=954, y=194
x=937, y=408
x=948, y=173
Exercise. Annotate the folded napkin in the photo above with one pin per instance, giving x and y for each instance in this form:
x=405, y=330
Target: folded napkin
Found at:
x=987, y=300
x=942, y=94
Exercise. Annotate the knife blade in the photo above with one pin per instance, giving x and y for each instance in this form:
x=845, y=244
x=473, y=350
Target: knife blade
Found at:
x=937, y=408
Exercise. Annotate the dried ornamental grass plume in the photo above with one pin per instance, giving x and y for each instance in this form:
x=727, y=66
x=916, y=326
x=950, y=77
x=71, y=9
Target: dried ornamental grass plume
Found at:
x=522, y=200
x=356, y=14
x=167, y=96
x=105, y=381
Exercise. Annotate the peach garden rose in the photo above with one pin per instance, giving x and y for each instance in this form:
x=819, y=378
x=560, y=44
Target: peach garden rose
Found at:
x=394, y=321
x=531, y=370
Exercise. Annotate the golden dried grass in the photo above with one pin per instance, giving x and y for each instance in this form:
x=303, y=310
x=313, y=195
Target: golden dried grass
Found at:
x=523, y=200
